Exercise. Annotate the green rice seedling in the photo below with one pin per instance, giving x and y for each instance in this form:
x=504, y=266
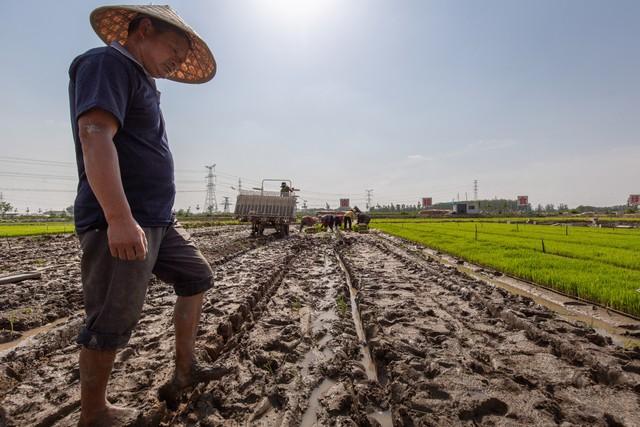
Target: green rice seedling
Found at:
x=341, y=303
x=296, y=305
x=34, y=229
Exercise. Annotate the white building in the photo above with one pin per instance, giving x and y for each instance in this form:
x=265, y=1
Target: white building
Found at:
x=462, y=208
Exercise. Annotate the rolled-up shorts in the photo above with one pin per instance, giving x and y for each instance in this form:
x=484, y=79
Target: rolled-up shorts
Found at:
x=114, y=290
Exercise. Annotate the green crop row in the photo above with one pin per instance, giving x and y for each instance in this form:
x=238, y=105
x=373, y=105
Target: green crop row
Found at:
x=591, y=272
x=620, y=239
x=626, y=258
x=35, y=228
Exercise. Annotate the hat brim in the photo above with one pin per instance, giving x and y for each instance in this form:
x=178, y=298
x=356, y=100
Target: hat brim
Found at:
x=111, y=23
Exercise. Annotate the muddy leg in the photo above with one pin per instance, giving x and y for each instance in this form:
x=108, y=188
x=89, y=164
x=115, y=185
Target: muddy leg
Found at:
x=95, y=368
x=186, y=319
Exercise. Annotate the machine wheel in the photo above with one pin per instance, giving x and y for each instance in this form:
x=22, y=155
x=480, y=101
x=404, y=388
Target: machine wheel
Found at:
x=285, y=229
x=260, y=229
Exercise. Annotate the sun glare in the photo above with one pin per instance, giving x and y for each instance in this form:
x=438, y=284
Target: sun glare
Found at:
x=297, y=13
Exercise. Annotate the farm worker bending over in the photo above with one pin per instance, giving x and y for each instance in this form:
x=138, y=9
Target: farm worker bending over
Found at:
x=348, y=219
x=123, y=208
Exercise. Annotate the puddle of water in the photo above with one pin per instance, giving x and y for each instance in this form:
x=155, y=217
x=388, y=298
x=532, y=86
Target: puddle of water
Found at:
x=312, y=356
x=31, y=332
x=310, y=417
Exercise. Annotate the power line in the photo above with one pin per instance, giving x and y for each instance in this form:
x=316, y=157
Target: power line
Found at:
x=34, y=161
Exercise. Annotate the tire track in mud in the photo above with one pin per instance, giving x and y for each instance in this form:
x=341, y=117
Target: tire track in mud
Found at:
x=455, y=351
x=39, y=380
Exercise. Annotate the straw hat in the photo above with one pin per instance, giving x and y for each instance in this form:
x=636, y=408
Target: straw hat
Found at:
x=112, y=23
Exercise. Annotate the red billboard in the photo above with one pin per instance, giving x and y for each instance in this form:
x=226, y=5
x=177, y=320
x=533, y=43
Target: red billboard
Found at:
x=634, y=200
x=344, y=203
x=523, y=200
x=426, y=202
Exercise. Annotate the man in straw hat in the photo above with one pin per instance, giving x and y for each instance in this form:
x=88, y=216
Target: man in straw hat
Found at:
x=123, y=208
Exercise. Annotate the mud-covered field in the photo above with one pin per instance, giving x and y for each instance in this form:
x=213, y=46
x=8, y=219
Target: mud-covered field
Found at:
x=319, y=329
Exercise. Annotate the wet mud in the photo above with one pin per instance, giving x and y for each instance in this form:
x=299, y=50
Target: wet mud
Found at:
x=323, y=330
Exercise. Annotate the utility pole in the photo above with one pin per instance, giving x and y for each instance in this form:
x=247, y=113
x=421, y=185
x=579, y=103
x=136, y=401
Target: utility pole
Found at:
x=226, y=204
x=304, y=205
x=210, y=204
x=475, y=190
x=368, y=198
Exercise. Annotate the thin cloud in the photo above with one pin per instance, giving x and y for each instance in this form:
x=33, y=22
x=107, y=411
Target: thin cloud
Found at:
x=419, y=157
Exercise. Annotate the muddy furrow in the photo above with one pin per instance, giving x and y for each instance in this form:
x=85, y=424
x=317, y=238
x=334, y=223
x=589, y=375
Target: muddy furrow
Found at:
x=28, y=253
x=293, y=347
x=454, y=351
x=40, y=379
x=33, y=303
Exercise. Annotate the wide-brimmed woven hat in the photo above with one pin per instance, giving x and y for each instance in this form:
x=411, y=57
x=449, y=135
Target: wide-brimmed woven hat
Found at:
x=112, y=23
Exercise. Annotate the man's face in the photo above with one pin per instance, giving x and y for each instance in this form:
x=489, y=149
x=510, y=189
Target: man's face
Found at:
x=163, y=53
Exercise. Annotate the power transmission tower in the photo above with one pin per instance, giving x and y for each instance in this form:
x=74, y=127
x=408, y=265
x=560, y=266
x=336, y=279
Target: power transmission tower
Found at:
x=226, y=204
x=368, y=198
x=475, y=190
x=239, y=185
x=210, y=204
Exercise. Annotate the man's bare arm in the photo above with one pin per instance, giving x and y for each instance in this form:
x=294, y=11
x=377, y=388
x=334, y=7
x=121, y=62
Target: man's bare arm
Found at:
x=96, y=130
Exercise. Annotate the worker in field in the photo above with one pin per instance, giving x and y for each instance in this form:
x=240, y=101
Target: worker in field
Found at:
x=327, y=222
x=308, y=221
x=337, y=221
x=348, y=219
x=123, y=208
x=285, y=190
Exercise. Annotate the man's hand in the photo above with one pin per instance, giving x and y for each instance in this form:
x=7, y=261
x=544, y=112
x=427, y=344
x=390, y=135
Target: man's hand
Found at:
x=127, y=240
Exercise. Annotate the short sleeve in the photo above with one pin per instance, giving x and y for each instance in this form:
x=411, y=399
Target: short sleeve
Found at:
x=102, y=81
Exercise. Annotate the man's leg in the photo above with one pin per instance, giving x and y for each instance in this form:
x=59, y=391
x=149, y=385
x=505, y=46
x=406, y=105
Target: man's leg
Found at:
x=186, y=317
x=181, y=263
x=114, y=293
x=95, y=369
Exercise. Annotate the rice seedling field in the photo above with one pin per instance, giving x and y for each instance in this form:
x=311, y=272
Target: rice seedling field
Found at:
x=597, y=264
x=35, y=228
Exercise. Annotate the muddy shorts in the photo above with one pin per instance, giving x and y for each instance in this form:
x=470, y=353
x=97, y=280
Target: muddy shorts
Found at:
x=114, y=290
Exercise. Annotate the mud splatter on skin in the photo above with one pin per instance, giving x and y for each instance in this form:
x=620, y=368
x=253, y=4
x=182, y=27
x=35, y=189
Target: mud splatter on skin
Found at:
x=448, y=349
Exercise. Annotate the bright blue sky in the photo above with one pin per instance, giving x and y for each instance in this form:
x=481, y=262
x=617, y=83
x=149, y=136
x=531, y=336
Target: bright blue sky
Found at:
x=408, y=98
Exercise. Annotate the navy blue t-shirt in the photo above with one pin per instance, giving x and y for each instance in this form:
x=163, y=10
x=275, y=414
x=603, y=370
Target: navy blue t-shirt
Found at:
x=106, y=79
